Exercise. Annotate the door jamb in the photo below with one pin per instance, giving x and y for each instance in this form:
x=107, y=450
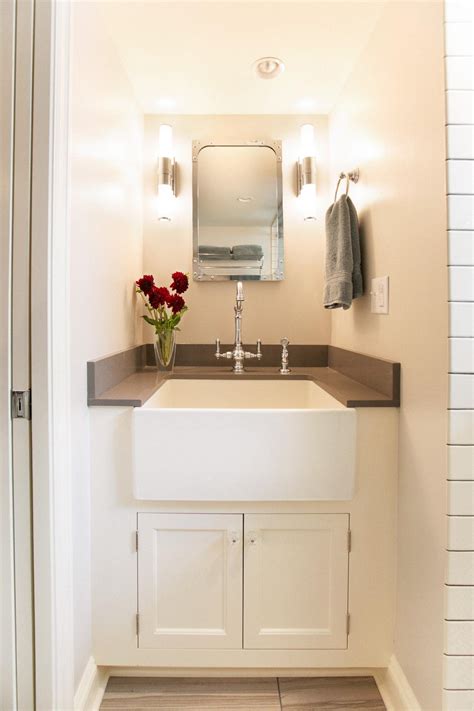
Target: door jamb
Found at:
x=51, y=437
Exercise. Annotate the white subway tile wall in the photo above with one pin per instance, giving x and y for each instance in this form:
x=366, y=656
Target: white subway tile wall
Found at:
x=458, y=73
x=458, y=39
x=459, y=608
x=461, y=427
x=461, y=533
x=461, y=246
x=461, y=317
x=461, y=176
x=460, y=142
x=461, y=353
x=460, y=463
x=459, y=11
x=460, y=498
x=460, y=212
x=459, y=672
x=460, y=106
x=458, y=700
x=460, y=604
x=461, y=283
x=461, y=391
x=459, y=637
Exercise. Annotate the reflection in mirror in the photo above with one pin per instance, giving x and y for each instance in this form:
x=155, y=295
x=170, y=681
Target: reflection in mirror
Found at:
x=237, y=212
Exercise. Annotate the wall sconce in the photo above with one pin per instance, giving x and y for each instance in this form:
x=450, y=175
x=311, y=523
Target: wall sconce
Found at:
x=306, y=171
x=167, y=172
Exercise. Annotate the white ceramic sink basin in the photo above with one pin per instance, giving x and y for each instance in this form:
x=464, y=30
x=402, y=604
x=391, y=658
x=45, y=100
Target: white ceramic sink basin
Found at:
x=243, y=440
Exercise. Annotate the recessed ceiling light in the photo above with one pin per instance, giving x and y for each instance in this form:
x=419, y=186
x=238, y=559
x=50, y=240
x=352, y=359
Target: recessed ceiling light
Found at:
x=245, y=199
x=268, y=67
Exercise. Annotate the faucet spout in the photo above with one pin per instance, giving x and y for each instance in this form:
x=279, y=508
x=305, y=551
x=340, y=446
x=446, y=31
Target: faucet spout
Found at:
x=239, y=292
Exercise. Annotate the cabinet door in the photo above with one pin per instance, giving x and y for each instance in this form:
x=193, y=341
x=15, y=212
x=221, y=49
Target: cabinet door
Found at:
x=295, y=582
x=190, y=581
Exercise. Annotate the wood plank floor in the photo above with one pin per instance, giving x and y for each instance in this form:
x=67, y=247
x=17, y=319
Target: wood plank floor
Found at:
x=193, y=694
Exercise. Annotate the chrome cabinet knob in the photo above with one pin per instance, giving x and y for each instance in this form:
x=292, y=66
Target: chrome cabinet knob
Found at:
x=234, y=538
x=252, y=538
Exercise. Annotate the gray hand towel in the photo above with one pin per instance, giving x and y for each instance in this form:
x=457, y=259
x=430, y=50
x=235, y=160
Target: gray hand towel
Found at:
x=343, y=268
x=247, y=251
x=214, y=252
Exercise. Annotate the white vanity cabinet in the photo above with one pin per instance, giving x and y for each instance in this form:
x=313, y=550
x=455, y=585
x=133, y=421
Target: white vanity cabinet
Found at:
x=294, y=569
x=208, y=598
x=190, y=581
x=296, y=579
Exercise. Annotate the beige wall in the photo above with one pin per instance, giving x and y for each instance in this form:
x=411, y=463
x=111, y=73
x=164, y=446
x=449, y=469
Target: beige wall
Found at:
x=106, y=255
x=292, y=307
x=389, y=121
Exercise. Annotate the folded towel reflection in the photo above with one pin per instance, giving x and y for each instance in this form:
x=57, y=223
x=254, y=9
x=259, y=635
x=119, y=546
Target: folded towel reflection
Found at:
x=343, y=267
x=247, y=251
x=212, y=252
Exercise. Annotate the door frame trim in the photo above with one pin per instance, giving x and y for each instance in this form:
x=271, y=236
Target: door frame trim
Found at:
x=51, y=437
x=7, y=587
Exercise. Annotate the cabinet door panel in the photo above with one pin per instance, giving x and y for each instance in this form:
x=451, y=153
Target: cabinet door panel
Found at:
x=190, y=581
x=295, y=581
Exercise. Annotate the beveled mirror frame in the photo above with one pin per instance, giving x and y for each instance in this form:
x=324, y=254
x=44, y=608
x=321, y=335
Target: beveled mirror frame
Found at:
x=276, y=146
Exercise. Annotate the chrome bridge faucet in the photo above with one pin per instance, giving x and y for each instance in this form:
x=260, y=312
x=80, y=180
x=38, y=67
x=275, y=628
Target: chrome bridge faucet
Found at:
x=238, y=353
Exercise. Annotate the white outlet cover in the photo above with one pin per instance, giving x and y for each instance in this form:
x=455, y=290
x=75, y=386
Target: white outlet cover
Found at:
x=379, y=294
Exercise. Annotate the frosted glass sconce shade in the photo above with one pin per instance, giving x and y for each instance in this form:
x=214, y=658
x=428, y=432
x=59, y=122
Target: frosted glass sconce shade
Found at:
x=165, y=141
x=306, y=171
x=307, y=142
x=167, y=172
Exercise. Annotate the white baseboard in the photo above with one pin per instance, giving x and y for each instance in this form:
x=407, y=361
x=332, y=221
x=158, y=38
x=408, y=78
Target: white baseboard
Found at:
x=394, y=688
x=91, y=688
x=239, y=672
x=393, y=685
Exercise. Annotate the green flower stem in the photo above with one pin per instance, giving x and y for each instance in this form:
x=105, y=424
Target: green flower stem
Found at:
x=160, y=319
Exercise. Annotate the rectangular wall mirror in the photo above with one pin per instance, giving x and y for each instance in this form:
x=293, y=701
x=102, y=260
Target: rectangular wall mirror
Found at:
x=237, y=211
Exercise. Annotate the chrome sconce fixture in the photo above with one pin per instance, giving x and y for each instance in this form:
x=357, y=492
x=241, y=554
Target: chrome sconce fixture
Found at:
x=167, y=172
x=306, y=171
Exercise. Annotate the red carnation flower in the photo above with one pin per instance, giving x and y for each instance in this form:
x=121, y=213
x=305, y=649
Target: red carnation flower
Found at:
x=180, y=282
x=158, y=296
x=175, y=302
x=146, y=283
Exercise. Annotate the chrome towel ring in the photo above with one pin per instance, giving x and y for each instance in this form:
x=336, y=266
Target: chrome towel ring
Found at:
x=351, y=176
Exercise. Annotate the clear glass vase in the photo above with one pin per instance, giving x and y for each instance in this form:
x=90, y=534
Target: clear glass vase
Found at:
x=165, y=350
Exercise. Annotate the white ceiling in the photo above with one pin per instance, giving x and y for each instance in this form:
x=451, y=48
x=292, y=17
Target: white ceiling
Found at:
x=194, y=57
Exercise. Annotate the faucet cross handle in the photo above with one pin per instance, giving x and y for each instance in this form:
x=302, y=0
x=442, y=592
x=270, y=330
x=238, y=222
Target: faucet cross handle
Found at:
x=218, y=354
x=284, y=370
x=258, y=354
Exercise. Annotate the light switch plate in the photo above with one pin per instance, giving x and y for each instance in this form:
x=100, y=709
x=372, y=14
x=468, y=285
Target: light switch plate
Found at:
x=379, y=295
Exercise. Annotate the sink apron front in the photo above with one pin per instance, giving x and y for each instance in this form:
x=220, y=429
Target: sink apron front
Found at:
x=244, y=455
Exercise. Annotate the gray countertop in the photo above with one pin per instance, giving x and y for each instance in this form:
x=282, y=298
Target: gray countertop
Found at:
x=135, y=389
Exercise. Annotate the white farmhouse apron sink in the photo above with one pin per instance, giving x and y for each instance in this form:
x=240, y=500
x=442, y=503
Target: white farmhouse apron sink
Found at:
x=243, y=440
